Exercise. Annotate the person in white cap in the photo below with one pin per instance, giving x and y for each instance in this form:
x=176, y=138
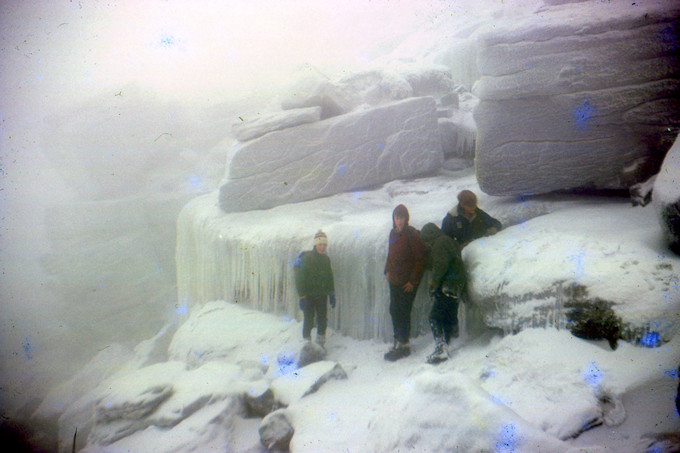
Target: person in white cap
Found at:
x=314, y=284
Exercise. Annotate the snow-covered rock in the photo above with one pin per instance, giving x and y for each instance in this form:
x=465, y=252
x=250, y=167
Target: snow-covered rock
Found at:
x=248, y=129
x=306, y=380
x=259, y=399
x=310, y=353
x=569, y=100
x=227, y=331
x=532, y=273
x=666, y=196
x=349, y=152
x=429, y=407
x=276, y=431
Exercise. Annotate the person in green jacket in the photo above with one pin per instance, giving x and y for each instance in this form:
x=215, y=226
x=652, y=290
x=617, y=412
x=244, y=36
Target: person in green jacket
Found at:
x=314, y=284
x=446, y=286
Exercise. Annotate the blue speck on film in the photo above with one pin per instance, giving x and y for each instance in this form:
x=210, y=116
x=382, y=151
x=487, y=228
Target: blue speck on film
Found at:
x=583, y=114
x=196, y=182
x=592, y=374
x=264, y=359
x=182, y=310
x=672, y=373
x=286, y=362
x=28, y=348
x=342, y=170
x=650, y=340
x=381, y=145
x=168, y=41
x=508, y=439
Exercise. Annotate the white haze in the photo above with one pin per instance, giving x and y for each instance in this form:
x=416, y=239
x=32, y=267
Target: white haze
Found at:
x=77, y=61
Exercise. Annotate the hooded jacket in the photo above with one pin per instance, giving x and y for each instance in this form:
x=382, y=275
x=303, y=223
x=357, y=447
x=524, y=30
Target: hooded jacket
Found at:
x=406, y=253
x=444, y=259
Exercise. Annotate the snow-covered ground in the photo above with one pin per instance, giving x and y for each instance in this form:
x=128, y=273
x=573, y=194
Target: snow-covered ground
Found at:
x=518, y=393
x=533, y=391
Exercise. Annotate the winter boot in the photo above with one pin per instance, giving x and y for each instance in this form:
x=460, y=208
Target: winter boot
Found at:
x=440, y=354
x=398, y=351
x=321, y=340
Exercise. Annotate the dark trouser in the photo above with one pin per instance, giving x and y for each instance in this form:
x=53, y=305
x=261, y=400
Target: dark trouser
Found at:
x=401, y=304
x=444, y=316
x=316, y=307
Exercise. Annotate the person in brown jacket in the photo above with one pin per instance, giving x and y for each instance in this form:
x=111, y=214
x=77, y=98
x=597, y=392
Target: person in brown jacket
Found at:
x=403, y=270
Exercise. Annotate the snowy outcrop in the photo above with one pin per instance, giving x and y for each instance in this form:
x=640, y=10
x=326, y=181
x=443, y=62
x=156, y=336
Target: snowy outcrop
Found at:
x=666, y=196
x=352, y=151
x=276, y=431
x=547, y=271
x=430, y=406
x=248, y=129
x=305, y=381
x=569, y=99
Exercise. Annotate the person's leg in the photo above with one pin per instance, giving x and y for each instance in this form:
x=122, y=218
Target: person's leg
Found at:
x=308, y=321
x=400, y=310
x=321, y=319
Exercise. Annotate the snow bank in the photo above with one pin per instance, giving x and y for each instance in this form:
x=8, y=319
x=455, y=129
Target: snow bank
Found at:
x=525, y=275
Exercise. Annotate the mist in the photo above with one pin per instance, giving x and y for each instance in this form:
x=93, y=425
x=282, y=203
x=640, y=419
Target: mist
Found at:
x=110, y=101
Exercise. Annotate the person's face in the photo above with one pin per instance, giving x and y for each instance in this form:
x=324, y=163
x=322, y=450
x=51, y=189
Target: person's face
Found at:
x=321, y=248
x=400, y=222
x=469, y=209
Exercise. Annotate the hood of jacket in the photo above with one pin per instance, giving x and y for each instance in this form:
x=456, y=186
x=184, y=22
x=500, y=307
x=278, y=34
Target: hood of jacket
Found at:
x=430, y=233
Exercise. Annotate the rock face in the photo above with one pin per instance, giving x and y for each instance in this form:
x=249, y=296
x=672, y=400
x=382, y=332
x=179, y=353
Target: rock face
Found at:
x=276, y=431
x=344, y=153
x=249, y=129
x=578, y=103
x=666, y=196
x=551, y=277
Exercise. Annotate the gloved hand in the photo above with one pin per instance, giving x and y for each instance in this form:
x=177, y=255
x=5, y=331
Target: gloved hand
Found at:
x=303, y=303
x=331, y=299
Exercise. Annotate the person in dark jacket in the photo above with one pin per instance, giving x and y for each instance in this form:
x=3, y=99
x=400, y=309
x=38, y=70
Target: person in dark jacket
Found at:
x=403, y=270
x=447, y=283
x=466, y=222
x=314, y=284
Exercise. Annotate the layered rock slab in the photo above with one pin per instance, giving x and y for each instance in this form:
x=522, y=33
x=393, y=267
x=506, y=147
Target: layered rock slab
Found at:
x=341, y=154
x=585, y=103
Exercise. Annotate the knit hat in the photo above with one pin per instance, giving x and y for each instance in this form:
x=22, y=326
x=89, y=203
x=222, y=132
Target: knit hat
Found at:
x=320, y=238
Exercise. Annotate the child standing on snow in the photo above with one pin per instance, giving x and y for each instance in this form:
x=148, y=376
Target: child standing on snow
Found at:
x=314, y=284
x=447, y=283
x=403, y=270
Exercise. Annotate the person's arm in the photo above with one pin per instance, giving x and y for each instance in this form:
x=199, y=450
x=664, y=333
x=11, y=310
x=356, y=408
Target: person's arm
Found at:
x=419, y=252
x=492, y=225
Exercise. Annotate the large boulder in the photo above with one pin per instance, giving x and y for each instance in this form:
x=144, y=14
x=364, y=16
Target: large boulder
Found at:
x=276, y=431
x=250, y=128
x=341, y=154
x=585, y=97
x=567, y=269
x=666, y=196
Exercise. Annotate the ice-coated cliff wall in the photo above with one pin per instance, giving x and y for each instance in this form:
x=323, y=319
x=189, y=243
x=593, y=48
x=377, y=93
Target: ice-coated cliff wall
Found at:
x=248, y=258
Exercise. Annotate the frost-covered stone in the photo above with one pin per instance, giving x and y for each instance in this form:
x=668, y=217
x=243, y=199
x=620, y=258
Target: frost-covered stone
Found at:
x=134, y=395
x=276, y=431
x=301, y=382
x=310, y=353
x=552, y=264
x=666, y=196
x=353, y=151
x=572, y=101
x=229, y=332
x=208, y=429
x=458, y=137
x=423, y=414
x=259, y=399
x=193, y=389
x=249, y=129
